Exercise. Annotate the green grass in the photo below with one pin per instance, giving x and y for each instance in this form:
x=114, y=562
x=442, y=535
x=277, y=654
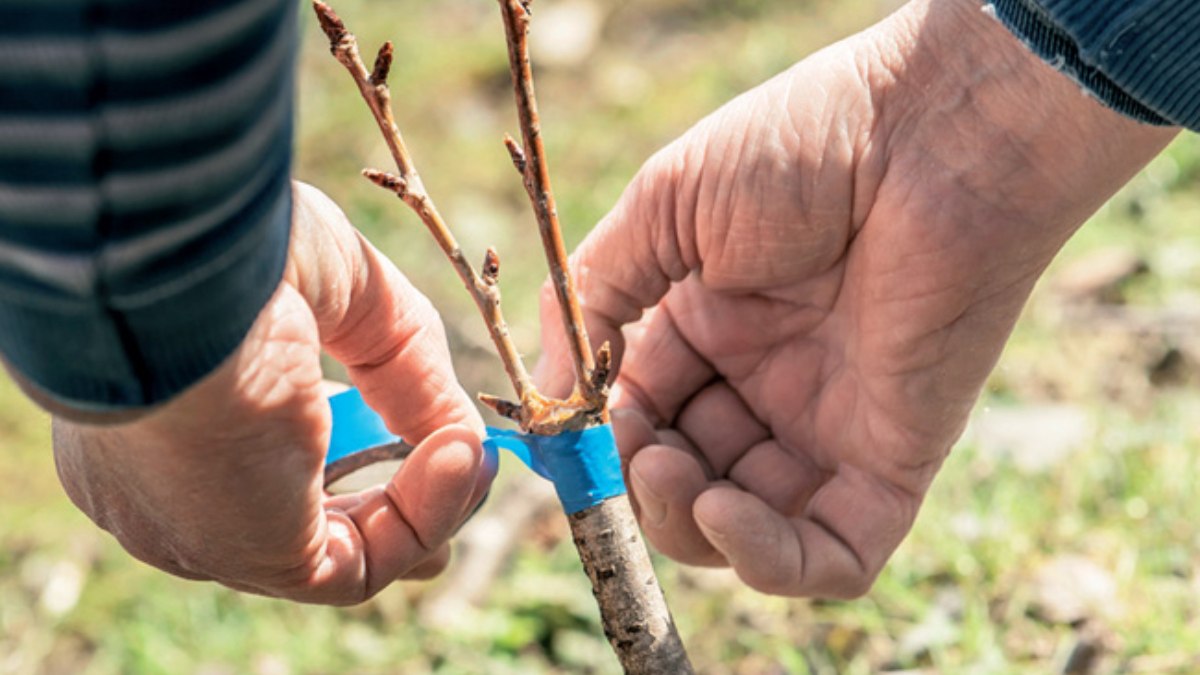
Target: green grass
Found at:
x=960, y=595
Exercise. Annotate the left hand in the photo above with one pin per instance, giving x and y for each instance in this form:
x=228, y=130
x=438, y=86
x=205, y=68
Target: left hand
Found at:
x=224, y=482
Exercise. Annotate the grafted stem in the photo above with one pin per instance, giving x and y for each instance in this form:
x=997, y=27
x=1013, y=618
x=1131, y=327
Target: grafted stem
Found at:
x=636, y=619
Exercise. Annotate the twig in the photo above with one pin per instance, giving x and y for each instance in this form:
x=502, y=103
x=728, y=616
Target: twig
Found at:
x=530, y=160
x=408, y=187
x=534, y=412
x=351, y=463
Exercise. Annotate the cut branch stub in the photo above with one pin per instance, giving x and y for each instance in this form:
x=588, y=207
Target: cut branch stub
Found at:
x=603, y=368
x=502, y=407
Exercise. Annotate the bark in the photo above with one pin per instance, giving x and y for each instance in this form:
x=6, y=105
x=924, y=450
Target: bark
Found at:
x=634, y=612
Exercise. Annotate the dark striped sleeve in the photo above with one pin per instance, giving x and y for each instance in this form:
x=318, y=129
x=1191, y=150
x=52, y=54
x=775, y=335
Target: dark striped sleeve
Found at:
x=1140, y=57
x=144, y=193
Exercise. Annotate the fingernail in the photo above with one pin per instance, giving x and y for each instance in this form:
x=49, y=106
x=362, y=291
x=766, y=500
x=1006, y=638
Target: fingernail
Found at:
x=715, y=536
x=654, y=510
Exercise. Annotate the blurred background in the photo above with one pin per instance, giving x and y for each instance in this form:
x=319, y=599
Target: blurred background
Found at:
x=1062, y=535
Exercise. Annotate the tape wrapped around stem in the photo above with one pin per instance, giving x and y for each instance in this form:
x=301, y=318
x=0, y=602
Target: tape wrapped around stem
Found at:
x=584, y=466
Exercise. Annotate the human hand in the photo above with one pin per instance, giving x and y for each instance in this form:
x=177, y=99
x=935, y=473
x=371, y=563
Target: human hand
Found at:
x=831, y=264
x=224, y=482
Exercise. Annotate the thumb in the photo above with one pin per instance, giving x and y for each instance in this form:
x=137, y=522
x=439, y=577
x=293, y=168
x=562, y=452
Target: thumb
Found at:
x=625, y=265
x=373, y=321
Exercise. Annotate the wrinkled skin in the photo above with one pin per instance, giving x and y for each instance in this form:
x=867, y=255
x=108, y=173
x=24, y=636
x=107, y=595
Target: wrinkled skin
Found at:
x=224, y=482
x=814, y=282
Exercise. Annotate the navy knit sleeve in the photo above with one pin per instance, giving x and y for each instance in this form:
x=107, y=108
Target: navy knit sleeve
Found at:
x=1140, y=57
x=145, y=204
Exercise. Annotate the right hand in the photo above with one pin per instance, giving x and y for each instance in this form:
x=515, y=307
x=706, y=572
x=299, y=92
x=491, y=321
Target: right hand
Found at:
x=816, y=280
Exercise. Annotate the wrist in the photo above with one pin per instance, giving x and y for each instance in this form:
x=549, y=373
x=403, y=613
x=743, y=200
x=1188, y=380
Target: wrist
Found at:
x=1005, y=126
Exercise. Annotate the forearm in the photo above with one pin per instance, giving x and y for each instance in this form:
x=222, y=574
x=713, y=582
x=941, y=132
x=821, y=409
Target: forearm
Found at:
x=144, y=192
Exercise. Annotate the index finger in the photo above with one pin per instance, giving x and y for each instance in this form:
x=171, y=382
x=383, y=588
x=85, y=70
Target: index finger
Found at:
x=376, y=323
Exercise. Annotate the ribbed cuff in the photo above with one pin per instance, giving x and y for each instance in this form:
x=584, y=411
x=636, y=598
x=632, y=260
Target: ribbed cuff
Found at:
x=1141, y=59
x=90, y=355
x=145, y=199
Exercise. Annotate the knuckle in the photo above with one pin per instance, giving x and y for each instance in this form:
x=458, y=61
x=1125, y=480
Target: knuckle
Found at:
x=855, y=585
x=776, y=580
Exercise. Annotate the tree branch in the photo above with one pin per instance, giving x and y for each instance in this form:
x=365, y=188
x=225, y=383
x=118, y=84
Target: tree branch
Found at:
x=409, y=188
x=531, y=161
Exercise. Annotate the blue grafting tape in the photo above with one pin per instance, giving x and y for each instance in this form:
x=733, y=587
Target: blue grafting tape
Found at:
x=355, y=426
x=583, y=465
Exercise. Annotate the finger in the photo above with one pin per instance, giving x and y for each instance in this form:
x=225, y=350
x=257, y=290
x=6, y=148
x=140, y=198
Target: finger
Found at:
x=434, y=565
x=488, y=468
x=398, y=530
x=350, y=500
x=483, y=483
x=760, y=544
x=735, y=445
x=670, y=473
x=627, y=264
x=785, y=481
x=372, y=320
x=660, y=348
x=666, y=482
x=836, y=550
x=431, y=494
x=721, y=426
x=634, y=433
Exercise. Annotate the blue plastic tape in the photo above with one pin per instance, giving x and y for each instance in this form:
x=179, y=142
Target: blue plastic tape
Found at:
x=355, y=427
x=584, y=466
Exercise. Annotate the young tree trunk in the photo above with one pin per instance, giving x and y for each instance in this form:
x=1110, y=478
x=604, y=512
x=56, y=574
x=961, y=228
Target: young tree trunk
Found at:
x=634, y=612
